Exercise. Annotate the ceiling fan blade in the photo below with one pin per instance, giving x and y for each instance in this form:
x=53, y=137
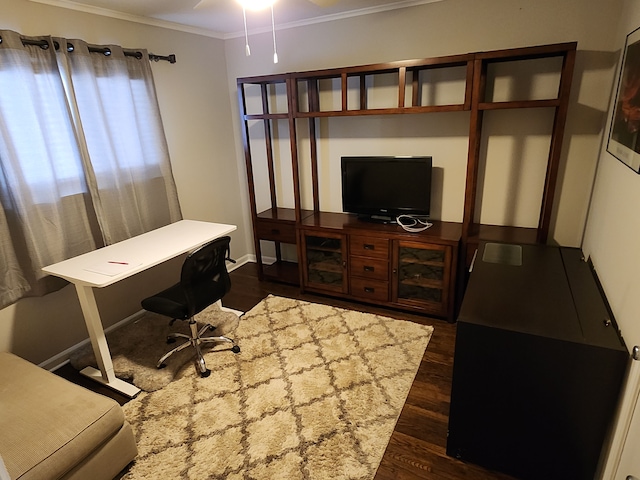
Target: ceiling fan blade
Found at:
x=324, y=3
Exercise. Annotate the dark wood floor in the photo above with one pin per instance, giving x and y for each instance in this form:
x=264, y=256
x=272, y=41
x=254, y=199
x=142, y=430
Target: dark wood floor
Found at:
x=417, y=447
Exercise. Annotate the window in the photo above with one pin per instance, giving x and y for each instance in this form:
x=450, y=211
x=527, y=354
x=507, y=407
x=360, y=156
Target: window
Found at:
x=82, y=150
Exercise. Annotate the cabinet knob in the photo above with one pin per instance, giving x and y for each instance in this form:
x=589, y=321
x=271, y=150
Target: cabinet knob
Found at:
x=607, y=322
x=369, y=289
x=368, y=246
x=368, y=268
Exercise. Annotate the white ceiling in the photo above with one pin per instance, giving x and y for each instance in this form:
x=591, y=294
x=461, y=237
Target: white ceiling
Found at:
x=223, y=18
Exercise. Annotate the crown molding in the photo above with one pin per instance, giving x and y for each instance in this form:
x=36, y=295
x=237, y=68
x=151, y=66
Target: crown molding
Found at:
x=154, y=22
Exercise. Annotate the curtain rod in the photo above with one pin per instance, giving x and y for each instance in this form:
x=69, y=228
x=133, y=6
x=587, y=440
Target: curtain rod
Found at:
x=104, y=50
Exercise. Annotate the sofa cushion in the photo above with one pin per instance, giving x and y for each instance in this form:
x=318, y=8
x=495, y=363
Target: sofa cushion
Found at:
x=4, y=475
x=49, y=424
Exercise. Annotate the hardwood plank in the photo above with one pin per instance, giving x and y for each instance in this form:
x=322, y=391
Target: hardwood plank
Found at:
x=409, y=458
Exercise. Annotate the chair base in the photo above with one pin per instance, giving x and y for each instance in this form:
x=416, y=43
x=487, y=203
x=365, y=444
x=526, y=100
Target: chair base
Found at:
x=195, y=340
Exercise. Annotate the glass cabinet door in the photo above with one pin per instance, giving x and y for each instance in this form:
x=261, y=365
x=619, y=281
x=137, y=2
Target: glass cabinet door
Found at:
x=325, y=261
x=421, y=274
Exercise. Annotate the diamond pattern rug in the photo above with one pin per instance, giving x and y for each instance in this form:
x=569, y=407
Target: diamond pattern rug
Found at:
x=314, y=394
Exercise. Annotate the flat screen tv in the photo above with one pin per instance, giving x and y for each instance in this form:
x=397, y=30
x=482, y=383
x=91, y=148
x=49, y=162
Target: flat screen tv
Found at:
x=382, y=188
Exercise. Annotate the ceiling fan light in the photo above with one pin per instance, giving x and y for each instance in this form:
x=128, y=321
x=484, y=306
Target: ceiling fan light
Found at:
x=256, y=5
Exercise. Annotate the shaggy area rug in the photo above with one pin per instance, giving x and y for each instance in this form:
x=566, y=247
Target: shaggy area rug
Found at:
x=315, y=393
x=137, y=347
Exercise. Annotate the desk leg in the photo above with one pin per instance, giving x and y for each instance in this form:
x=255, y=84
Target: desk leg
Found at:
x=229, y=310
x=105, y=375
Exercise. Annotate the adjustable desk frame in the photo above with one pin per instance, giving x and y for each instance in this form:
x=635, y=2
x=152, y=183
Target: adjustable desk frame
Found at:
x=142, y=252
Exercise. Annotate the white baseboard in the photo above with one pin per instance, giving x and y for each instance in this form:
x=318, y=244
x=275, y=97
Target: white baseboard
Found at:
x=63, y=357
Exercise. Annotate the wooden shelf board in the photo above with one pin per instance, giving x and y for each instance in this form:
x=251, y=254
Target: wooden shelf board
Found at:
x=381, y=68
x=447, y=231
x=263, y=79
x=282, y=214
x=504, y=234
x=423, y=283
x=429, y=263
x=383, y=111
x=327, y=267
x=527, y=53
x=266, y=116
x=551, y=102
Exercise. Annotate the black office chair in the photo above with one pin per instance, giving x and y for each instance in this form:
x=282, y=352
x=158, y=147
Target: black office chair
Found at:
x=204, y=281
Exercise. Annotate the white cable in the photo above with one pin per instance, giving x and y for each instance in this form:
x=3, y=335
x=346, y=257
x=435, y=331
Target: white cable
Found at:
x=413, y=223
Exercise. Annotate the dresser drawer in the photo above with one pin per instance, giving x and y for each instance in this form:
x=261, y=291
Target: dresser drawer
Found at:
x=364, y=267
x=276, y=231
x=369, y=289
x=369, y=247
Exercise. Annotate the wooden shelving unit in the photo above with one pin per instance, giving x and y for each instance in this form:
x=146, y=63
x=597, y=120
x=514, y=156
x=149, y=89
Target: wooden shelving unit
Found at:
x=304, y=102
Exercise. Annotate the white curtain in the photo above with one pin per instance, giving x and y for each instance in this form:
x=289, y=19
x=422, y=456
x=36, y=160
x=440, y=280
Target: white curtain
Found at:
x=83, y=157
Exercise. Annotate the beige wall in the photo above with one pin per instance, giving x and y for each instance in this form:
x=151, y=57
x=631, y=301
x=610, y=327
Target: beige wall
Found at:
x=611, y=241
x=613, y=228
x=198, y=102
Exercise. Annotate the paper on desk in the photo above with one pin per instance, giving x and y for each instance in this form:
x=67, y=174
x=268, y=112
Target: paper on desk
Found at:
x=112, y=267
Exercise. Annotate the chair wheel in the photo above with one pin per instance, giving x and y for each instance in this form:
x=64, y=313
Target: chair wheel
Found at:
x=161, y=366
x=206, y=373
x=171, y=340
x=211, y=328
x=235, y=349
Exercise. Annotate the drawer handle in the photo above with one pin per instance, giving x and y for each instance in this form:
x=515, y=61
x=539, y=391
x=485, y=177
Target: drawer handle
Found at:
x=275, y=231
x=368, y=268
x=369, y=289
x=368, y=246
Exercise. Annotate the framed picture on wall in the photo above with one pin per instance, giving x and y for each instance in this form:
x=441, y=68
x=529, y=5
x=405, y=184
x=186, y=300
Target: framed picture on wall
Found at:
x=624, y=137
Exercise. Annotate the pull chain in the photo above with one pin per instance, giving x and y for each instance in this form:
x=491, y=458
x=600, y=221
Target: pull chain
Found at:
x=273, y=29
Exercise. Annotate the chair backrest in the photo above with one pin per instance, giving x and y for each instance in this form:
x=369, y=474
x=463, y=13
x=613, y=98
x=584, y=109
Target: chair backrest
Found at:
x=204, y=278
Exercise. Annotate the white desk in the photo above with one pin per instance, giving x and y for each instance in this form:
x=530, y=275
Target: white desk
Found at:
x=122, y=260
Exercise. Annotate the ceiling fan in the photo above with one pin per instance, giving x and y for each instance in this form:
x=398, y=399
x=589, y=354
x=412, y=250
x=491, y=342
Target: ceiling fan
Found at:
x=260, y=5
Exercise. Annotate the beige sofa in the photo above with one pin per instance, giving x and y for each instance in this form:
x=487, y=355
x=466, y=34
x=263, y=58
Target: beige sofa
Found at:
x=51, y=428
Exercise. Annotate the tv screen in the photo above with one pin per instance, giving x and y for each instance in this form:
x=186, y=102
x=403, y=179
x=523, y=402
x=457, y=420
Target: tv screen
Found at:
x=381, y=188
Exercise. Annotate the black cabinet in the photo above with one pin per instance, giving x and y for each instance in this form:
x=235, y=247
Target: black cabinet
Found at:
x=538, y=365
